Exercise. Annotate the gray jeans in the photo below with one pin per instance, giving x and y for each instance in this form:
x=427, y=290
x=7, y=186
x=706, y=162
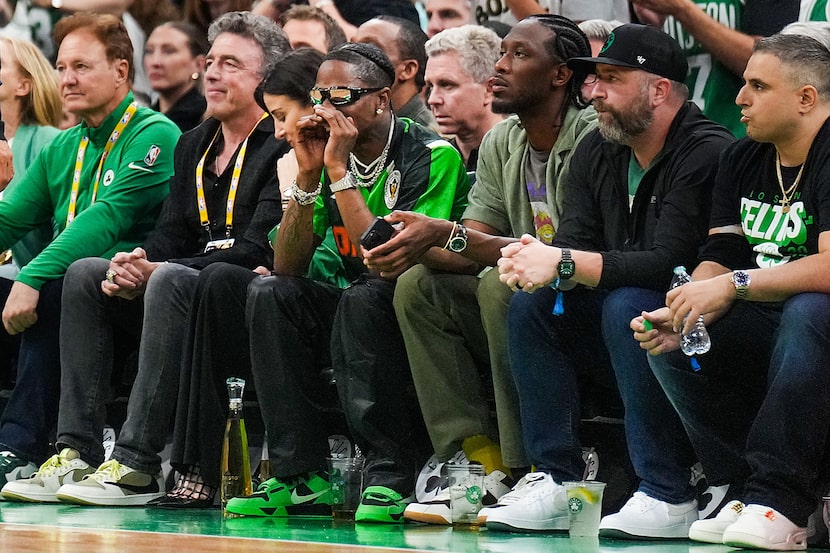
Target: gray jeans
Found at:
x=88, y=324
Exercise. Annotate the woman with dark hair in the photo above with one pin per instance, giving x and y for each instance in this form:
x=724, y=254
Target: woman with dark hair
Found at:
x=174, y=60
x=202, y=407
x=287, y=89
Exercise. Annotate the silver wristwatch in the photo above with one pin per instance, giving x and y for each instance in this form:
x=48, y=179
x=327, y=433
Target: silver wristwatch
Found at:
x=347, y=182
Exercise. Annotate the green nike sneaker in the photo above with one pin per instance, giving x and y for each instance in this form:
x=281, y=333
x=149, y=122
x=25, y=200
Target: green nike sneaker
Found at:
x=381, y=504
x=304, y=495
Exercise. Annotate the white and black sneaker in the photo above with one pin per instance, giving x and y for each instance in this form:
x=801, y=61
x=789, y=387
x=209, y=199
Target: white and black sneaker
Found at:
x=536, y=504
x=114, y=484
x=64, y=468
x=432, y=479
x=437, y=510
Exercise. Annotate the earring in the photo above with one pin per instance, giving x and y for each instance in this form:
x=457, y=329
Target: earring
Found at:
x=379, y=111
x=194, y=76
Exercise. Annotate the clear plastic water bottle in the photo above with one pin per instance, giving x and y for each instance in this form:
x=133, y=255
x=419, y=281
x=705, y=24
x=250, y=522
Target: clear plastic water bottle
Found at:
x=696, y=341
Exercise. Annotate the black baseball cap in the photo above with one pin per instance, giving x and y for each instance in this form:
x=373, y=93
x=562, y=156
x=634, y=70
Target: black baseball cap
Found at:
x=640, y=47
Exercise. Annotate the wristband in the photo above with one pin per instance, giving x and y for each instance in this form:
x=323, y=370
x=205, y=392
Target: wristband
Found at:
x=452, y=234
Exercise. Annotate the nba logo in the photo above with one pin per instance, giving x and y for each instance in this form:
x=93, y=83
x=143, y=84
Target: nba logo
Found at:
x=152, y=155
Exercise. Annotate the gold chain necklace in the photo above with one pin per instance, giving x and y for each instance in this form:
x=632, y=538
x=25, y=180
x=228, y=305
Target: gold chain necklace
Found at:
x=786, y=195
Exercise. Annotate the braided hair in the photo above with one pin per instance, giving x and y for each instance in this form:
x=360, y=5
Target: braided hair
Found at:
x=568, y=41
x=370, y=63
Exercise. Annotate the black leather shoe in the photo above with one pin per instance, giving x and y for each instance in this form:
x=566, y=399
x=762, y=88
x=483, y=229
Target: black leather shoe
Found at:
x=177, y=502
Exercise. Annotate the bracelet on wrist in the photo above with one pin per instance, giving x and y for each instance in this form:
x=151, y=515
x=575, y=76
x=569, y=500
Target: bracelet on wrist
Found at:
x=305, y=198
x=457, y=241
x=452, y=234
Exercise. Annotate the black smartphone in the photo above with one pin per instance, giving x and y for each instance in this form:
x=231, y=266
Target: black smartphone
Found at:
x=378, y=232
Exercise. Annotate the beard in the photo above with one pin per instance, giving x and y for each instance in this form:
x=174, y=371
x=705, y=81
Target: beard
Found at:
x=526, y=100
x=624, y=126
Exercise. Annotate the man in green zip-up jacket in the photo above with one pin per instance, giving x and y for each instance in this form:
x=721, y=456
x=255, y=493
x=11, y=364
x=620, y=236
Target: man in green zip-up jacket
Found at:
x=103, y=182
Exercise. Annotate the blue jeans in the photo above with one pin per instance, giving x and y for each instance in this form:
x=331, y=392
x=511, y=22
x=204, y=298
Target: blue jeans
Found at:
x=552, y=356
x=30, y=415
x=86, y=348
x=759, y=409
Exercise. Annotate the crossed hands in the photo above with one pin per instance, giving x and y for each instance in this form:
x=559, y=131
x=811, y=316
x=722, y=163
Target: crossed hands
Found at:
x=129, y=272
x=528, y=264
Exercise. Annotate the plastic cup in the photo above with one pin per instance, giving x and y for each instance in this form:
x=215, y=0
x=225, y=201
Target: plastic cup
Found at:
x=346, y=477
x=584, y=507
x=466, y=491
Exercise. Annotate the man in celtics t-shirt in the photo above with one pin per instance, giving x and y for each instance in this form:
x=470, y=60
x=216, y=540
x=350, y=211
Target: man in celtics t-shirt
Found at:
x=758, y=411
x=717, y=38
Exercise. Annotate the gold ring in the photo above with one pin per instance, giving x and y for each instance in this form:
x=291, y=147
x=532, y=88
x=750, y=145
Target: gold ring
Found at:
x=110, y=275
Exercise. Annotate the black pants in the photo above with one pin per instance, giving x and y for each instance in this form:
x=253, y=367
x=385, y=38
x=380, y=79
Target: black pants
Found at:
x=277, y=331
x=375, y=385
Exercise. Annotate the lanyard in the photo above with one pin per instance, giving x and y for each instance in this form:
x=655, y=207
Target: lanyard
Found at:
x=237, y=170
x=79, y=161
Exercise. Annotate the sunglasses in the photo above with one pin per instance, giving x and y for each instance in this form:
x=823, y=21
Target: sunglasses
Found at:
x=338, y=95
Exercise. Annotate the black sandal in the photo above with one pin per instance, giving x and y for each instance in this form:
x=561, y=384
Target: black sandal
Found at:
x=190, y=492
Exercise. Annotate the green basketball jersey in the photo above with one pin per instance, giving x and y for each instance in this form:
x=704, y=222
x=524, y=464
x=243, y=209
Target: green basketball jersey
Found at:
x=712, y=86
x=814, y=10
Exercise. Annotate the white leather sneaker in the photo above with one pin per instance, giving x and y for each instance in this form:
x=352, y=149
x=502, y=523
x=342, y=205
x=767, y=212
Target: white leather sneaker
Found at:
x=761, y=527
x=643, y=516
x=522, y=488
x=64, y=468
x=710, y=530
x=542, y=507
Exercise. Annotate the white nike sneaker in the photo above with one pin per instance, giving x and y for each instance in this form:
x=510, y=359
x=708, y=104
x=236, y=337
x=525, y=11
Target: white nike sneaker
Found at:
x=434, y=511
x=539, y=505
x=432, y=479
x=711, y=500
x=65, y=467
x=643, y=516
x=437, y=510
x=113, y=484
x=522, y=488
